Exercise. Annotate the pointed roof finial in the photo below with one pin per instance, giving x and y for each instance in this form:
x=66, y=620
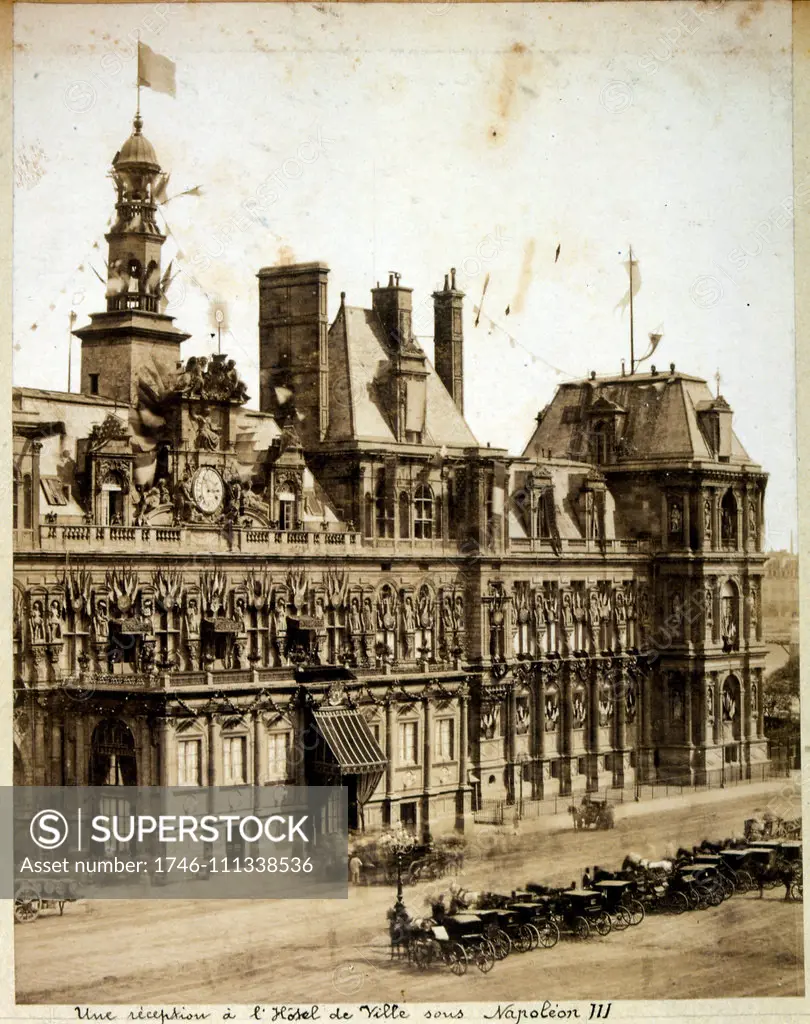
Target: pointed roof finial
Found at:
x=137, y=123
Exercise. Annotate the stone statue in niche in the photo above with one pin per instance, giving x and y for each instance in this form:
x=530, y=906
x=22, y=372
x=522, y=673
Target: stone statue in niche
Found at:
x=552, y=710
x=425, y=608
x=355, y=618
x=459, y=614
x=408, y=615
x=192, y=617
x=578, y=708
x=522, y=717
x=675, y=517
x=368, y=616
x=707, y=519
x=55, y=622
x=37, y=623
x=710, y=702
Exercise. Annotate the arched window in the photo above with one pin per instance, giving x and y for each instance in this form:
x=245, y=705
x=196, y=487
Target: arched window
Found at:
x=423, y=513
x=112, y=755
x=728, y=520
x=404, y=515
x=730, y=615
x=15, y=497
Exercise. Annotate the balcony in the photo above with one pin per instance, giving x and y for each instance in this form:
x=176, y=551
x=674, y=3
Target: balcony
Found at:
x=80, y=538
x=580, y=545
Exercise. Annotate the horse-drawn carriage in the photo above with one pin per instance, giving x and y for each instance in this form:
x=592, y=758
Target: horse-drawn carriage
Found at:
x=459, y=940
x=621, y=903
x=771, y=827
x=33, y=895
x=581, y=912
x=418, y=863
x=593, y=811
x=536, y=913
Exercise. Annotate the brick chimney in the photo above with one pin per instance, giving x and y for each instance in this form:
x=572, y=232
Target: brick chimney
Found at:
x=293, y=365
x=393, y=305
x=448, y=338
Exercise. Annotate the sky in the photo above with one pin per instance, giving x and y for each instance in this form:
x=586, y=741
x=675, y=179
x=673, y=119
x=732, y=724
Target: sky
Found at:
x=415, y=138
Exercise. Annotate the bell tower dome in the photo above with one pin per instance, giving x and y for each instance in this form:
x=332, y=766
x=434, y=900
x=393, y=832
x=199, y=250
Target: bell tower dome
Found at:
x=132, y=333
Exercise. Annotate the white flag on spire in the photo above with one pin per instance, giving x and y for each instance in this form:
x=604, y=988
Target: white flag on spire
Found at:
x=635, y=283
x=155, y=71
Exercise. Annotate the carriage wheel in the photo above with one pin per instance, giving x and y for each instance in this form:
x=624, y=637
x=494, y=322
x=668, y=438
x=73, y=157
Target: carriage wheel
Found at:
x=636, y=910
x=501, y=943
x=796, y=891
x=534, y=931
x=602, y=923
x=549, y=934
x=457, y=959
x=522, y=939
x=27, y=906
x=675, y=902
x=620, y=919
x=484, y=957
x=727, y=886
x=580, y=928
x=745, y=883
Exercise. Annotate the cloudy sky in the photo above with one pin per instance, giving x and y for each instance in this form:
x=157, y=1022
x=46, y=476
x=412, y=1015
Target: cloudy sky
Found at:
x=419, y=137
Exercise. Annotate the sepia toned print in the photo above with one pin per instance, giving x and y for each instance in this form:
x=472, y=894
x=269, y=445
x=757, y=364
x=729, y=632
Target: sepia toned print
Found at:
x=262, y=538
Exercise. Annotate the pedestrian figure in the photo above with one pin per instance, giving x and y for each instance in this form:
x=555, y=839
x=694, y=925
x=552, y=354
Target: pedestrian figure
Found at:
x=355, y=867
x=586, y=880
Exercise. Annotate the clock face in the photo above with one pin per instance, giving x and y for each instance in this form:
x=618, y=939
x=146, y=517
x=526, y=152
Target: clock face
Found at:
x=208, y=489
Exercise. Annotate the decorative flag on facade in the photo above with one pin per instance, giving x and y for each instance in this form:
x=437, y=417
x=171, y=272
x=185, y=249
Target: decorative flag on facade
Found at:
x=156, y=71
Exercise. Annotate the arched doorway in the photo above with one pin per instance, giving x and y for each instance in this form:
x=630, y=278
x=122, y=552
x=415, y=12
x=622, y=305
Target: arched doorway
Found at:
x=731, y=727
x=113, y=761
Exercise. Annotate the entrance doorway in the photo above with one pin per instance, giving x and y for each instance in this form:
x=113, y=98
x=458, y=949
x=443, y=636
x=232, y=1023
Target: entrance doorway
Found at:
x=407, y=816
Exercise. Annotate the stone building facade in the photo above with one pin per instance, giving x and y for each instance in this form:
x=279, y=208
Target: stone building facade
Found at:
x=343, y=585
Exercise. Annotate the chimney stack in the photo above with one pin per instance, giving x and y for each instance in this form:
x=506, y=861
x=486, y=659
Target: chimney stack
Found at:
x=448, y=338
x=393, y=305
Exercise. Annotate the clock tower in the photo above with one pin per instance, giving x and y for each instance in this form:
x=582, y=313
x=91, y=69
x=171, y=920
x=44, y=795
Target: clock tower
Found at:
x=132, y=334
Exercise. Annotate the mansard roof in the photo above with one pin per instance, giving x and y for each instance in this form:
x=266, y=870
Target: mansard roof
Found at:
x=359, y=360
x=661, y=422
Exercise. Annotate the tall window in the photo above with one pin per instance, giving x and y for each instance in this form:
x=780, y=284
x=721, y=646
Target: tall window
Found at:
x=423, y=513
x=408, y=743
x=404, y=515
x=445, y=739
x=28, y=503
x=188, y=763
x=368, y=517
x=233, y=757
x=379, y=508
x=728, y=520
x=286, y=510
x=15, y=494
x=279, y=745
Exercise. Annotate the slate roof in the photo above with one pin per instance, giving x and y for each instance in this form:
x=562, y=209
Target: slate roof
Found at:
x=359, y=358
x=657, y=414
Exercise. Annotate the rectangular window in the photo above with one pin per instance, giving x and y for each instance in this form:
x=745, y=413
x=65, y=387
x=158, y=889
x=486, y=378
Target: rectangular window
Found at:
x=286, y=514
x=93, y=383
x=375, y=732
x=188, y=763
x=408, y=743
x=279, y=747
x=233, y=758
x=445, y=739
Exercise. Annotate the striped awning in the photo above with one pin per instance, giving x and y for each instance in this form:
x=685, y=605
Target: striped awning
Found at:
x=350, y=741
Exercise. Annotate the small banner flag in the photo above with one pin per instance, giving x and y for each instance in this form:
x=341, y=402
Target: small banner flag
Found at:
x=156, y=71
x=634, y=286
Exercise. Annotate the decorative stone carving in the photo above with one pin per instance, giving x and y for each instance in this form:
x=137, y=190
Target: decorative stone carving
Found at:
x=214, y=381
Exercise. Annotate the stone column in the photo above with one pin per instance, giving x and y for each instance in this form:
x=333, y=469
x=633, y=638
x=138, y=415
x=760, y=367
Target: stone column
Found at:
x=427, y=776
x=687, y=518
x=645, y=763
x=259, y=751
x=80, y=767
x=214, y=752
x=538, y=735
x=688, y=689
x=592, y=756
x=620, y=712
x=566, y=732
x=167, y=754
x=510, y=751
x=391, y=754
x=40, y=762
x=718, y=711
x=463, y=726
x=56, y=741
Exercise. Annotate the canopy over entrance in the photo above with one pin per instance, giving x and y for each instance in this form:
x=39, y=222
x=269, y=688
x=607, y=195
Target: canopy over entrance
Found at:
x=347, y=753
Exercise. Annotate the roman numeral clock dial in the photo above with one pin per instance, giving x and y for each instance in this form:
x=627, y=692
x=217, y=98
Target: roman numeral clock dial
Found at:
x=208, y=489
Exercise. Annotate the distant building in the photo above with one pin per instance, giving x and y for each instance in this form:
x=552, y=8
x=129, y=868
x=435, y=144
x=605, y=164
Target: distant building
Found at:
x=780, y=598
x=345, y=586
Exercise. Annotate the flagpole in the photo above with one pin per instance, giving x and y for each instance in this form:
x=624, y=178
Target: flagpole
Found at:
x=71, y=322
x=632, y=351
